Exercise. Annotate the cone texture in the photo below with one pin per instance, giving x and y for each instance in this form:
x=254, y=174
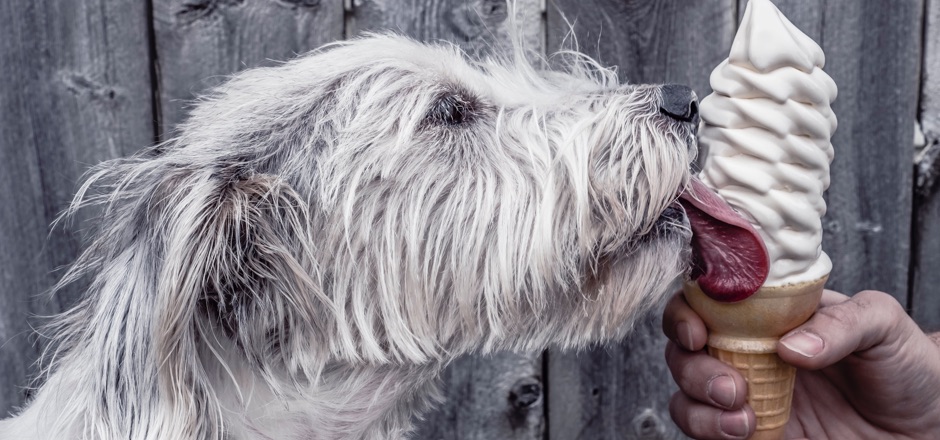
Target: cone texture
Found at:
x=770, y=387
x=745, y=334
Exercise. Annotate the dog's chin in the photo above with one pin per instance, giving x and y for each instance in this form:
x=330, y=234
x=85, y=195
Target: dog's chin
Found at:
x=628, y=284
x=668, y=242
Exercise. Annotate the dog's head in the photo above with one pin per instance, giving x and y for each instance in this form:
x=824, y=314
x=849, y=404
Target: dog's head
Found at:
x=385, y=201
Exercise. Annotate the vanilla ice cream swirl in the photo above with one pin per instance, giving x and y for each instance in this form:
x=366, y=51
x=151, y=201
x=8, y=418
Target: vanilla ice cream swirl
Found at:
x=767, y=130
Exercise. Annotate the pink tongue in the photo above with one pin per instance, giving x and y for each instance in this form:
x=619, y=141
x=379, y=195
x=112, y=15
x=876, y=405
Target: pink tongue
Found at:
x=729, y=259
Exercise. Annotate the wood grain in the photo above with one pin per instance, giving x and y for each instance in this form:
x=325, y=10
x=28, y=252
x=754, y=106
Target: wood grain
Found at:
x=669, y=41
x=925, y=267
x=613, y=392
x=75, y=91
x=874, y=58
x=807, y=15
x=623, y=391
x=489, y=397
x=477, y=26
x=200, y=42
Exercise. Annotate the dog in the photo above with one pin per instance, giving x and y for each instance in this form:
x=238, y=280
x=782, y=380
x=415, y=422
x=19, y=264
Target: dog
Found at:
x=322, y=237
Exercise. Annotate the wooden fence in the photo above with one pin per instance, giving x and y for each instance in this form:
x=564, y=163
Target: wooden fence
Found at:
x=82, y=81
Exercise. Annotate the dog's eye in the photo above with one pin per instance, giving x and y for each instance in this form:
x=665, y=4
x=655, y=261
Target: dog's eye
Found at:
x=450, y=109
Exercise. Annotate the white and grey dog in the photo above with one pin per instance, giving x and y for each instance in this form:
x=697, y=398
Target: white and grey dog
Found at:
x=324, y=236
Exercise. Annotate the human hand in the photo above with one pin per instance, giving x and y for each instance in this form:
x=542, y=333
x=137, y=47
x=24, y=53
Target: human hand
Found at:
x=866, y=371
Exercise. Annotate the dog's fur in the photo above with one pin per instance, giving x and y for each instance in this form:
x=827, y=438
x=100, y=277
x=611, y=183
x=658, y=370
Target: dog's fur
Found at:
x=324, y=236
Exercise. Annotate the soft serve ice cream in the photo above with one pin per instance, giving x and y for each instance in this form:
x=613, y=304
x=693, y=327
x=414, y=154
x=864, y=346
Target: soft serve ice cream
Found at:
x=767, y=130
x=753, y=279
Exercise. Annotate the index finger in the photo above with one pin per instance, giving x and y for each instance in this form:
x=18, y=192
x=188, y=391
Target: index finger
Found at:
x=682, y=325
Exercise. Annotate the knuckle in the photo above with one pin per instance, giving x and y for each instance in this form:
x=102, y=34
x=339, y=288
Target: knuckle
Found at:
x=877, y=298
x=674, y=306
x=667, y=326
x=678, y=366
x=687, y=379
x=669, y=316
x=681, y=414
x=843, y=316
x=880, y=302
x=670, y=354
x=676, y=407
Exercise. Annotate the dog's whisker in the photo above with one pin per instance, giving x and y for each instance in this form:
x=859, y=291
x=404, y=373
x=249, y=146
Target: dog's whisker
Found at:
x=322, y=237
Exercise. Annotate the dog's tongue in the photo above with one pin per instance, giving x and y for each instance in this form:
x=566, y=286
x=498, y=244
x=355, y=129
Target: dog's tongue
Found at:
x=729, y=259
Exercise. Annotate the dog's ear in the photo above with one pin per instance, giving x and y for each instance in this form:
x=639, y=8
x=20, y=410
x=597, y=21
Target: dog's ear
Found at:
x=240, y=261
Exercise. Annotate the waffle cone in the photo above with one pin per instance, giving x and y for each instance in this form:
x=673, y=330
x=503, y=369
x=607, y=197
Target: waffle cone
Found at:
x=744, y=335
x=769, y=388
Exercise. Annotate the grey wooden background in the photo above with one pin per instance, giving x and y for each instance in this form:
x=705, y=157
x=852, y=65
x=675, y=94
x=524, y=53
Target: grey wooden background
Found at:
x=86, y=80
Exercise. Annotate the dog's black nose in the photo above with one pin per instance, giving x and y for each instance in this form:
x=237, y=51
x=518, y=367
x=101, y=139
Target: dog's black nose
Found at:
x=679, y=102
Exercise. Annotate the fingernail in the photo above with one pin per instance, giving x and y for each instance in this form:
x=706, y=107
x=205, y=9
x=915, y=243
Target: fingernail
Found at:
x=684, y=334
x=734, y=424
x=722, y=390
x=805, y=343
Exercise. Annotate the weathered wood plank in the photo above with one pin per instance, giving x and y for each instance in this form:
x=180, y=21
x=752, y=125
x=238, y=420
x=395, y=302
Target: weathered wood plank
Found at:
x=668, y=41
x=200, y=42
x=874, y=58
x=489, y=397
x=805, y=14
x=925, y=296
x=614, y=392
x=476, y=25
x=75, y=91
x=483, y=399
x=623, y=391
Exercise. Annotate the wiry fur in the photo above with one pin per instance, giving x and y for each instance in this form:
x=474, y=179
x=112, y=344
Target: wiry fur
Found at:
x=322, y=237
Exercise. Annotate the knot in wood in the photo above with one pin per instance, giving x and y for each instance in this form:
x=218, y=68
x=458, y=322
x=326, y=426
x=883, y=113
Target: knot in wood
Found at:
x=526, y=393
x=190, y=11
x=647, y=425
x=302, y=3
x=471, y=19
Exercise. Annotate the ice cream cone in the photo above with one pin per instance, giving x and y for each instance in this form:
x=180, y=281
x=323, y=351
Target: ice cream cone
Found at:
x=744, y=335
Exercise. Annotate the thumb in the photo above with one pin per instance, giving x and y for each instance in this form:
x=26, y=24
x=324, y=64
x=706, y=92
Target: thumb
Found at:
x=843, y=326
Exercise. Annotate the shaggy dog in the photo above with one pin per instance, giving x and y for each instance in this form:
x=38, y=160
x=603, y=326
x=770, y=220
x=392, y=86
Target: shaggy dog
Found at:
x=324, y=236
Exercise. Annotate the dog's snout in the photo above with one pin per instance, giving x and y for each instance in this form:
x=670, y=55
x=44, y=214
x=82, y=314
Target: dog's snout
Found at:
x=679, y=102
